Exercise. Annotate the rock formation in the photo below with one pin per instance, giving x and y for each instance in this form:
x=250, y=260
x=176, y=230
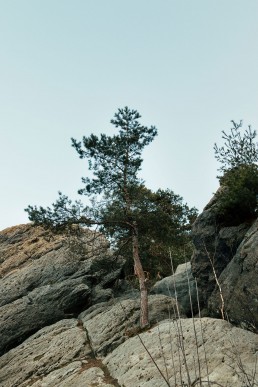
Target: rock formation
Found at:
x=110, y=324
x=46, y=278
x=225, y=264
x=239, y=284
x=186, y=352
x=214, y=248
x=182, y=286
x=68, y=317
x=61, y=355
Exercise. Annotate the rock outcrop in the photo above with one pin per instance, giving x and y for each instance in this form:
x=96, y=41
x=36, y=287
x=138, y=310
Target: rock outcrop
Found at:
x=181, y=352
x=46, y=278
x=58, y=355
x=239, y=285
x=214, y=248
x=68, y=318
x=181, y=286
x=109, y=324
x=225, y=264
x=186, y=353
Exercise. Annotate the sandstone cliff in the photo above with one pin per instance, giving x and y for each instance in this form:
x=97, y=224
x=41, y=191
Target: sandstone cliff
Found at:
x=45, y=278
x=225, y=264
x=69, y=318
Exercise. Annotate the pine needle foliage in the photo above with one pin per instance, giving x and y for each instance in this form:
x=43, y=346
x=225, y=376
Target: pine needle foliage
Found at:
x=114, y=162
x=237, y=200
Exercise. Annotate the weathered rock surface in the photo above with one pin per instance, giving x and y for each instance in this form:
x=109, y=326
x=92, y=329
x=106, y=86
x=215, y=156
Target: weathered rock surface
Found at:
x=186, y=351
x=110, y=324
x=95, y=340
x=180, y=285
x=79, y=374
x=57, y=355
x=239, y=285
x=46, y=278
x=68, y=353
x=178, y=348
x=214, y=248
x=230, y=253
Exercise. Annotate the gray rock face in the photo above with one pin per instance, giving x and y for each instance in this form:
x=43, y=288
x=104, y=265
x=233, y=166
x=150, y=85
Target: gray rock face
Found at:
x=208, y=350
x=45, y=278
x=185, y=351
x=69, y=352
x=110, y=324
x=179, y=285
x=239, y=284
x=214, y=247
x=79, y=374
x=59, y=355
x=48, y=280
x=232, y=253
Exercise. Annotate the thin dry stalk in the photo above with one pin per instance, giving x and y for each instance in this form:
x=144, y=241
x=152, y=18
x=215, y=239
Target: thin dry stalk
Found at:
x=180, y=330
x=177, y=314
x=202, y=335
x=163, y=355
x=222, y=308
x=154, y=362
x=194, y=328
x=171, y=348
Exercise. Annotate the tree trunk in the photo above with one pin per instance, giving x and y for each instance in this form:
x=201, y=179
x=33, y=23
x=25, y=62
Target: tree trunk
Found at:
x=144, y=318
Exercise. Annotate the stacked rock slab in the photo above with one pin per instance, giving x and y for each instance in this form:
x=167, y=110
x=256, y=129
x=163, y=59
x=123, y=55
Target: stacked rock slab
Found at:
x=189, y=352
x=214, y=248
x=61, y=324
x=239, y=285
x=46, y=278
x=181, y=286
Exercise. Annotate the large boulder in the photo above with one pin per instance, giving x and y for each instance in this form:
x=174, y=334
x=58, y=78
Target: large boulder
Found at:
x=214, y=247
x=239, y=285
x=181, y=286
x=172, y=352
x=45, y=278
x=70, y=352
x=109, y=324
x=188, y=352
x=68, y=317
x=57, y=355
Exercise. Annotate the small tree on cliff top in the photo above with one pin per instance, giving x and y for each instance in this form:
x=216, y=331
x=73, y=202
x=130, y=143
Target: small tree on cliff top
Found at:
x=238, y=158
x=239, y=148
x=115, y=162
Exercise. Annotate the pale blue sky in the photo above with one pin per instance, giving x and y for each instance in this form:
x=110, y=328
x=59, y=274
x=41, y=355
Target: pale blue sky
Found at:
x=188, y=67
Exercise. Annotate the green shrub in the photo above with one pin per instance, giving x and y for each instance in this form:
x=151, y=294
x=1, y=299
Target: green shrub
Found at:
x=237, y=200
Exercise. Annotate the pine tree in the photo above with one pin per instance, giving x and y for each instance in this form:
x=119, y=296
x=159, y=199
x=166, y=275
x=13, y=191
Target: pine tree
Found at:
x=238, y=157
x=239, y=148
x=115, y=162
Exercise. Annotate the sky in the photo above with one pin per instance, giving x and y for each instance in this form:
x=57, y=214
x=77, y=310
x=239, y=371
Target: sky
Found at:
x=66, y=66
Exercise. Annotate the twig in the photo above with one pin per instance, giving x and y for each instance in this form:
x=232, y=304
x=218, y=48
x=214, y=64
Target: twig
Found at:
x=217, y=282
x=203, y=342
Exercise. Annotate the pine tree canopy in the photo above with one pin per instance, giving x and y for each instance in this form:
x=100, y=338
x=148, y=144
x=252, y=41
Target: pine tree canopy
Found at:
x=125, y=210
x=115, y=161
x=120, y=202
x=238, y=149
